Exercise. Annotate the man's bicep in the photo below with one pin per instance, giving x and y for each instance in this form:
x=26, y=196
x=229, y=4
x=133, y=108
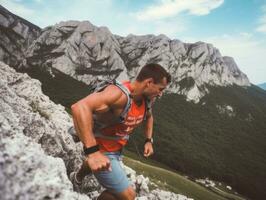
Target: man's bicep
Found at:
x=100, y=102
x=95, y=102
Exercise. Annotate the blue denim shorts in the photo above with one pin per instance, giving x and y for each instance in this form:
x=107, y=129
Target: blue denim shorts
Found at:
x=115, y=181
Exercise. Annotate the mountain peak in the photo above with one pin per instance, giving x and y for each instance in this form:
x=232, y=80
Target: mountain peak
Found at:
x=89, y=53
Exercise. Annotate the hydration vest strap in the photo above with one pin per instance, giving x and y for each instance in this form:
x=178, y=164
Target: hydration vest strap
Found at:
x=129, y=100
x=124, y=89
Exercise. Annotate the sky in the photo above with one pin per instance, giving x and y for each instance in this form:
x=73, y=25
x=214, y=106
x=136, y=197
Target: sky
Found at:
x=236, y=27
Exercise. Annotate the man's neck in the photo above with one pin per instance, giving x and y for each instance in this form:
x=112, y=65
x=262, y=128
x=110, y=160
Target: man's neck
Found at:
x=137, y=91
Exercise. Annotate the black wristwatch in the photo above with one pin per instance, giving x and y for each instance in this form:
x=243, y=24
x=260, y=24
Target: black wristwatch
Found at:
x=91, y=150
x=148, y=140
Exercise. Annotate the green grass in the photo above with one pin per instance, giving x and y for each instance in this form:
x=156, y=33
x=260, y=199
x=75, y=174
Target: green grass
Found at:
x=176, y=183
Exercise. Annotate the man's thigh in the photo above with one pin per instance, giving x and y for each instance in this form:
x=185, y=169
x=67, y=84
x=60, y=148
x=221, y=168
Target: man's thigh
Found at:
x=114, y=181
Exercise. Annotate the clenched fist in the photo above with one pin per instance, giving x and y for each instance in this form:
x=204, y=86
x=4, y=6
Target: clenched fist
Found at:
x=148, y=149
x=98, y=162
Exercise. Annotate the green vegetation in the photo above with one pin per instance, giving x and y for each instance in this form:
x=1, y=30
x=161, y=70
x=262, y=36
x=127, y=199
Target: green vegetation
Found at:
x=197, y=140
x=176, y=183
x=62, y=89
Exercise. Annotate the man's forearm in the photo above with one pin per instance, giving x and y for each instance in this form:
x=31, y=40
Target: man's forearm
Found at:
x=83, y=125
x=149, y=127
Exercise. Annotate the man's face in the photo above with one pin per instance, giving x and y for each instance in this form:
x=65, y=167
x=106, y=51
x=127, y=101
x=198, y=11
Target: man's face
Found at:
x=154, y=90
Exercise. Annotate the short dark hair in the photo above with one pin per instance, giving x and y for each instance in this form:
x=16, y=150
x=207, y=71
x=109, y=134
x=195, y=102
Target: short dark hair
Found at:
x=155, y=71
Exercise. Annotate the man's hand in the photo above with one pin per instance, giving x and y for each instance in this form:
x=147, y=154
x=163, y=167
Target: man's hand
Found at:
x=98, y=162
x=148, y=149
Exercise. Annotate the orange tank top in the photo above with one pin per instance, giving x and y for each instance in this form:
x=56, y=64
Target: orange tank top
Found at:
x=134, y=117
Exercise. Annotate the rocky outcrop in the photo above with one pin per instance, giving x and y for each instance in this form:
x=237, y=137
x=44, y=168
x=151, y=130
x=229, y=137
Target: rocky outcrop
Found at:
x=88, y=53
x=37, y=152
x=78, y=49
x=34, y=146
x=192, y=66
x=16, y=34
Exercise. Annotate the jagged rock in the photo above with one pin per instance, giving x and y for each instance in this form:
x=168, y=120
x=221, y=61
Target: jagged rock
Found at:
x=200, y=61
x=78, y=49
x=16, y=35
x=41, y=119
x=163, y=195
x=26, y=170
x=235, y=71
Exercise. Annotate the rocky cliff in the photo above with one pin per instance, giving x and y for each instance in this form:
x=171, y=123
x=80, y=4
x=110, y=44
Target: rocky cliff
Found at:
x=87, y=53
x=16, y=34
x=36, y=151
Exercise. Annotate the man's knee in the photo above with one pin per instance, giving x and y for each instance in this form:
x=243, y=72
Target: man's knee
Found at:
x=127, y=194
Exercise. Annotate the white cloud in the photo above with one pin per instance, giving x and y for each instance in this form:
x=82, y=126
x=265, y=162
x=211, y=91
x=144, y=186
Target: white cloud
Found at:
x=169, y=28
x=16, y=7
x=49, y=12
x=100, y=13
x=246, y=49
x=262, y=21
x=262, y=28
x=169, y=8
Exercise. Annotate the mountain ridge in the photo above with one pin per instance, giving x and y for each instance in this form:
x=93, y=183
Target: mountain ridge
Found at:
x=81, y=49
x=16, y=35
x=262, y=85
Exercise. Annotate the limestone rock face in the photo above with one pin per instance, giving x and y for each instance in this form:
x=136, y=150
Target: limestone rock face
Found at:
x=42, y=120
x=34, y=146
x=78, y=49
x=89, y=53
x=235, y=71
x=200, y=62
x=16, y=34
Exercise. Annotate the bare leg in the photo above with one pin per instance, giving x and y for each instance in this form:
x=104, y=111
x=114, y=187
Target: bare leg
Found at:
x=105, y=195
x=127, y=194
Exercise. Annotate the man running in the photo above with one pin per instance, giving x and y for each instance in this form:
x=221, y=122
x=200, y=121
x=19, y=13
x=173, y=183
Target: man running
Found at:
x=104, y=120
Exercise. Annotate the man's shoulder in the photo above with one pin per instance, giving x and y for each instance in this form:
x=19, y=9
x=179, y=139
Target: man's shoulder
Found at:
x=115, y=94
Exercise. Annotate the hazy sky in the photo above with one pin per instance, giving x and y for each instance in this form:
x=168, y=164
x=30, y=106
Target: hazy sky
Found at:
x=236, y=27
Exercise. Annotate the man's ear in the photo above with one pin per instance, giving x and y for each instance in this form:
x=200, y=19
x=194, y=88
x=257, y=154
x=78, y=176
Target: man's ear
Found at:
x=149, y=81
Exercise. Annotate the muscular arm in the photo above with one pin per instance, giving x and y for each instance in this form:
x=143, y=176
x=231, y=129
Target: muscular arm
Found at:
x=99, y=102
x=149, y=125
x=148, y=149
